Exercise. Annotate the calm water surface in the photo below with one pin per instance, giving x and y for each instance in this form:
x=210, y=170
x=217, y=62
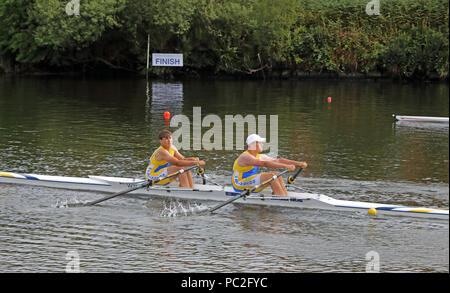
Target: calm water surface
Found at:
x=355, y=151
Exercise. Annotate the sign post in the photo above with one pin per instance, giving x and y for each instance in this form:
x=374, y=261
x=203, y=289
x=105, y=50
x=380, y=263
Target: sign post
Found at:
x=148, y=53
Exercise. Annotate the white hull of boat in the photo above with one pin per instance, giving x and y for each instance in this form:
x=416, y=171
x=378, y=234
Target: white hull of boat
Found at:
x=216, y=193
x=421, y=118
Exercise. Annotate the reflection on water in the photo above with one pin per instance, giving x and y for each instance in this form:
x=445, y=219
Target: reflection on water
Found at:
x=164, y=97
x=424, y=125
x=353, y=147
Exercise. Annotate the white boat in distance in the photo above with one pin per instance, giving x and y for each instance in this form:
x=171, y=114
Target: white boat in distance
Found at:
x=217, y=193
x=421, y=118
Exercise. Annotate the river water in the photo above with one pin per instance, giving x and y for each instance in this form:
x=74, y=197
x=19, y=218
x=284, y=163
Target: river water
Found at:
x=354, y=149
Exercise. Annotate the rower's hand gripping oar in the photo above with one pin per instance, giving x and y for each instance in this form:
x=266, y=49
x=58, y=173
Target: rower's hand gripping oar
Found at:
x=291, y=179
x=201, y=172
x=247, y=192
x=139, y=186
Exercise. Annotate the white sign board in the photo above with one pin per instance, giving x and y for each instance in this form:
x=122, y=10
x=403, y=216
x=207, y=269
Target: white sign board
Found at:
x=161, y=59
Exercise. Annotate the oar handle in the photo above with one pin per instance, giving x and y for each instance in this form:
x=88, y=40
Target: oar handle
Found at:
x=201, y=172
x=291, y=179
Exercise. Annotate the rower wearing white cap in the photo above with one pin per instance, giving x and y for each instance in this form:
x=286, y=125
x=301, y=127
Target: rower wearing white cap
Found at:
x=246, y=167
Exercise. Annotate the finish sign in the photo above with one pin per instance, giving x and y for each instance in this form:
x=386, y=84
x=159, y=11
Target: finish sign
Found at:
x=169, y=59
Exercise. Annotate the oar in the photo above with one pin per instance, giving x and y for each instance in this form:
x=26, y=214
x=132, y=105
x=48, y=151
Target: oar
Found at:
x=201, y=172
x=247, y=191
x=291, y=179
x=139, y=186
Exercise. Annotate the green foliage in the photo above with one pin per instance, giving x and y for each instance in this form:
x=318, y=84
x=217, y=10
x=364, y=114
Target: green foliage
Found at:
x=418, y=51
x=16, y=31
x=56, y=29
x=409, y=38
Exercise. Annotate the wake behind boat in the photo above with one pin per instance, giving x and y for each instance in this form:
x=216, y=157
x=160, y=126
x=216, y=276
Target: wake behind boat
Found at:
x=216, y=193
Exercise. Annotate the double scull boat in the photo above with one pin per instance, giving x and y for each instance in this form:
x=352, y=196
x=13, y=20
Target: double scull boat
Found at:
x=217, y=193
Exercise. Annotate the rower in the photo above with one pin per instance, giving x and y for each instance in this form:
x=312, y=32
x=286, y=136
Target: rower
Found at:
x=166, y=159
x=246, y=167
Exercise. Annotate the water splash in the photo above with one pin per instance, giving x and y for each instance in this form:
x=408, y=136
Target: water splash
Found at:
x=65, y=203
x=177, y=208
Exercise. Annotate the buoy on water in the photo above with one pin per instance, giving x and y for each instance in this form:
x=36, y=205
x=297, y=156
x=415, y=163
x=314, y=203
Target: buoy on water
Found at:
x=166, y=115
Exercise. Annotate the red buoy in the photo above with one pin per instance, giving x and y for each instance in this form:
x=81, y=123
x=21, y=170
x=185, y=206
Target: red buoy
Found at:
x=167, y=115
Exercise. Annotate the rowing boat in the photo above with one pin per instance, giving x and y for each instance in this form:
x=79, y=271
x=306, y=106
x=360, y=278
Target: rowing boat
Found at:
x=217, y=193
x=421, y=118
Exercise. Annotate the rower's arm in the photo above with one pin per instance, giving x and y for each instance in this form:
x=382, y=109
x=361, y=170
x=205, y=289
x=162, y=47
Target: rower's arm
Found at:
x=275, y=165
x=181, y=157
x=289, y=162
x=173, y=160
x=248, y=160
x=177, y=154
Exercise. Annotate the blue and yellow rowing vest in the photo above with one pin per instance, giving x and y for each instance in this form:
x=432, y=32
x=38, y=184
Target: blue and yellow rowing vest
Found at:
x=157, y=168
x=244, y=177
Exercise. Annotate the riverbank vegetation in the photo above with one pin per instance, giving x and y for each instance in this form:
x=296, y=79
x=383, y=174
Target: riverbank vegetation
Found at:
x=409, y=39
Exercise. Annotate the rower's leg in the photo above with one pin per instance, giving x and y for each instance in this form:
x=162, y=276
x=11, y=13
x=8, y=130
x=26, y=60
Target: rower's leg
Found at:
x=283, y=186
x=277, y=188
x=181, y=179
x=189, y=179
x=184, y=180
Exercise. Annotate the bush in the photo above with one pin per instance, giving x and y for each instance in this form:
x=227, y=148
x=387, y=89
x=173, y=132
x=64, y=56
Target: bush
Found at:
x=409, y=38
